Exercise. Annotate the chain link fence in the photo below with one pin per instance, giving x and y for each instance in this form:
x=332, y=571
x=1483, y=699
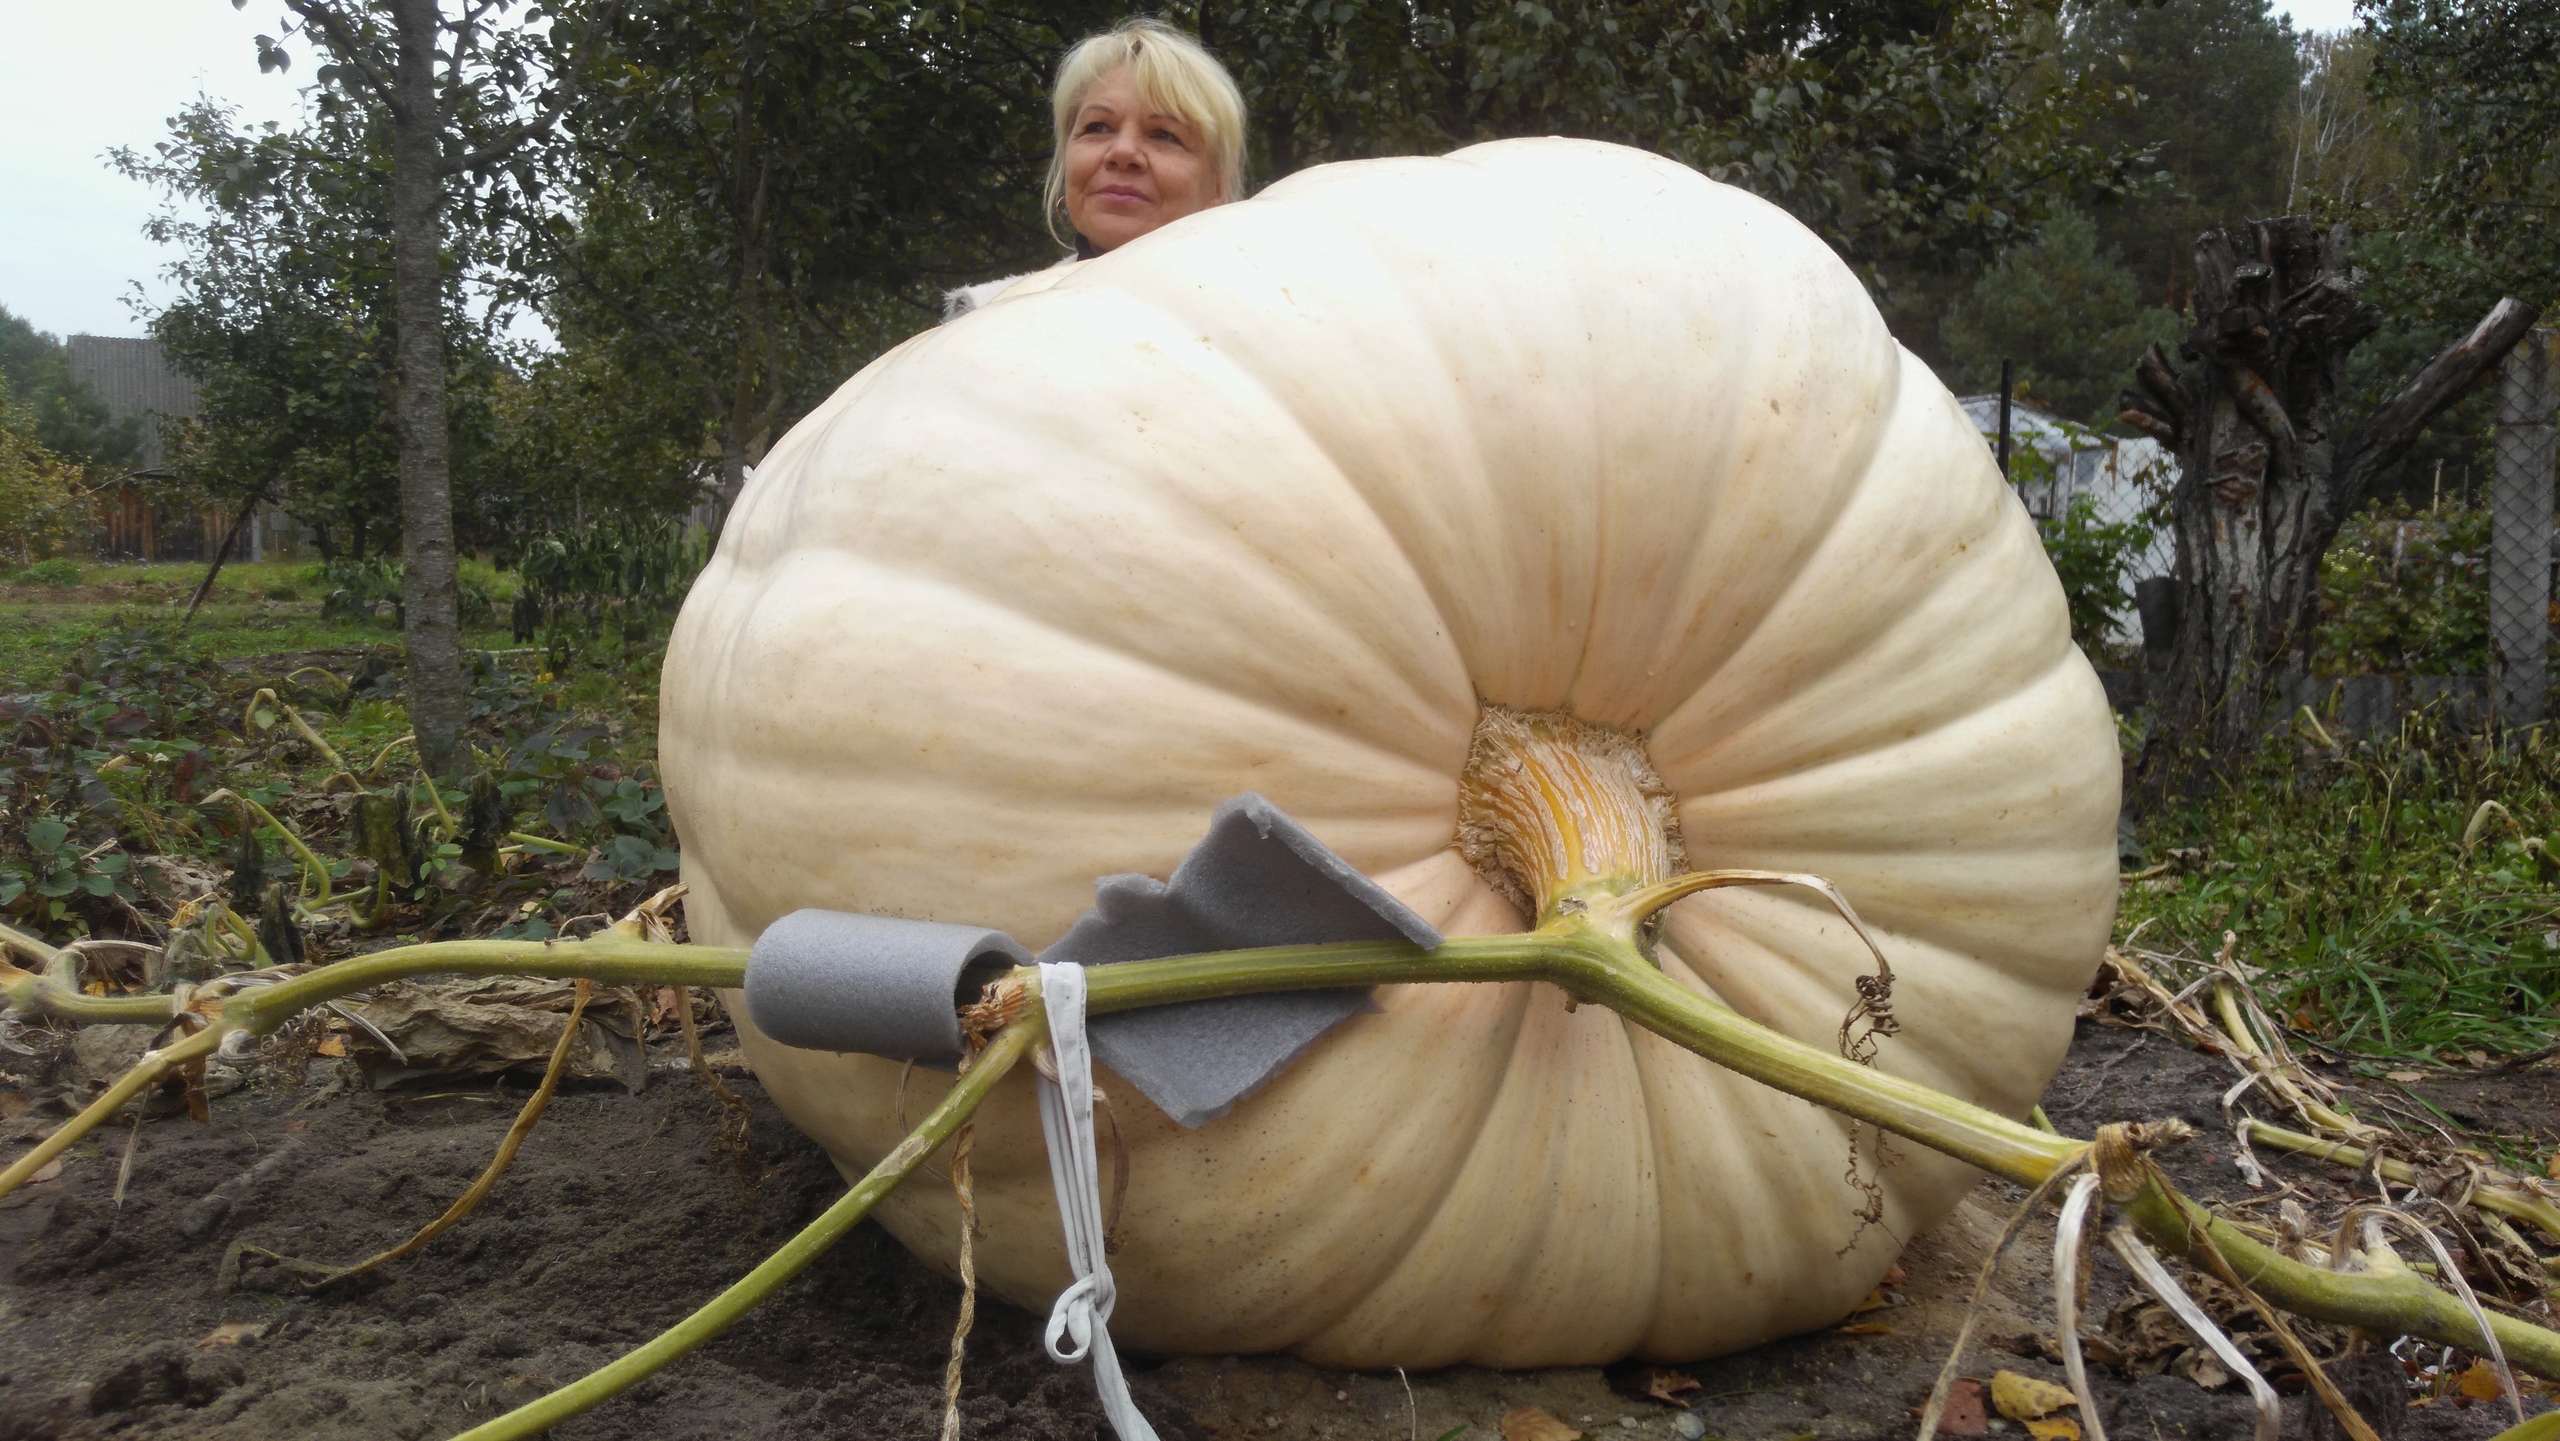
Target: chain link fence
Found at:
x=2056, y=462
x=2520, y=518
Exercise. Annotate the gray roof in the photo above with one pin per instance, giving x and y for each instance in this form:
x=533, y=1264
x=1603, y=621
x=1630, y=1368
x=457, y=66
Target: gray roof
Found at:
x=2030, y=428
x=134, y=378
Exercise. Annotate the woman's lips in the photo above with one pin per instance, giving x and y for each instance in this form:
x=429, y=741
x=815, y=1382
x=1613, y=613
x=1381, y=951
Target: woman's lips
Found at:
x=1120, y=193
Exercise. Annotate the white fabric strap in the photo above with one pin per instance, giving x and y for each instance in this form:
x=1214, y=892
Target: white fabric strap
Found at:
x=1082, y=1316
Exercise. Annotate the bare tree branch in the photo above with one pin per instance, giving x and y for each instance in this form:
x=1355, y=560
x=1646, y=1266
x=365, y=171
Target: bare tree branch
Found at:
x=2387, y=434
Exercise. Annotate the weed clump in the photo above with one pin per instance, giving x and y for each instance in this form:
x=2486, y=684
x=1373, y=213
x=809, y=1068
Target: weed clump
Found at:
x=2394, y=909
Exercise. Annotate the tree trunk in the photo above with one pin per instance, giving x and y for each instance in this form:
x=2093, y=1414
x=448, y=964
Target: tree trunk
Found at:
x=2268, y=470
x=431, y=625
x=754, y=389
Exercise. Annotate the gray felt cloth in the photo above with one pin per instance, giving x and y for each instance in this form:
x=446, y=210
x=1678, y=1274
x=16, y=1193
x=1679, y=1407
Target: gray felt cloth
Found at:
x=1257, y=879
x=829, y=981
x=826, y=980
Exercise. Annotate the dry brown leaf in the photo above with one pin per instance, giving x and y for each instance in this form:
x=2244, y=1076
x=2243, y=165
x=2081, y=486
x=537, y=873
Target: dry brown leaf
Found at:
x=46, y=1172
x=1875, y=1302
x=1964, y=1414
x=1863, y=1328
x=2054, y=1428
x=2024, y=1398
x=2551, y=1168
x=2200, y=1366
x=2480, y=1382
x=14, y=1104
x=2404, y=1075
x=1528, y=1423
x=1894, y=1276
x=1664, y=1384
x=331, y=1046
x=230, y=1333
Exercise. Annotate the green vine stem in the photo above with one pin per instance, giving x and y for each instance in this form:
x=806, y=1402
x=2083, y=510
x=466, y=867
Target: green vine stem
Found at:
x=2388, y=1297
x=603, y=1384
x=1587, y=956
x=310, y=737
x=2505, y=1200
x=2545, y=1427
x=311, y=863
x=150, y=1071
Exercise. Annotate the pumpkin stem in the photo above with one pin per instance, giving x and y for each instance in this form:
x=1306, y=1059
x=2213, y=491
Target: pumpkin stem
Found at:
x=1556, y=812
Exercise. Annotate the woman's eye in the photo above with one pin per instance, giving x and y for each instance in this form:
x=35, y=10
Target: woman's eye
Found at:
x=1169, y=138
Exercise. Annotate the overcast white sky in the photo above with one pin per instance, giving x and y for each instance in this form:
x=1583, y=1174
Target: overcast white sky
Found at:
x=79, y=79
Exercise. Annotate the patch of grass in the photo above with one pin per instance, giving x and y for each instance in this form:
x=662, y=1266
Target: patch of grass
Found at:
x=61, y=570
x=2343, y=869
x=37, y=640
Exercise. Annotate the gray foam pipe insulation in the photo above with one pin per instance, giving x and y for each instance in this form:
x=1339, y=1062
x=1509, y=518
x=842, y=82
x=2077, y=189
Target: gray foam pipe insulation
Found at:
x=882, y=986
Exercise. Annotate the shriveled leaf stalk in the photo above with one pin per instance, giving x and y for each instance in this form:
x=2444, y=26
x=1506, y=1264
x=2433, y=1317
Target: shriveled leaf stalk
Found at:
x=1589, y=949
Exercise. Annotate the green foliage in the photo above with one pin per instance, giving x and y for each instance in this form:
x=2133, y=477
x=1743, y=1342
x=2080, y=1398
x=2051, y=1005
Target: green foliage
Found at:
x=614, y=584
x=40, y=492
x=572, y=436
x=119, y=711
x=51, y=875
x=2213, y=86
x=2092, y=559
x=768, y=193
x=61, y=570
x=1902, y=133
x=374, y=589
x=116, y=754
x=283, y=315
x=2068, y=312
x=2405, y=591
x=65, y=415
x=2483, y=76
x=2344, y=872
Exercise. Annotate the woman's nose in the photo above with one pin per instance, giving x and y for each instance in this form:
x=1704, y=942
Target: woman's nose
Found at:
x=1125, y=149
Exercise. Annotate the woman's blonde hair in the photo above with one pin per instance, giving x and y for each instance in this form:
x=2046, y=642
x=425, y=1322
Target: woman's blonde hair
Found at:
x=1175, y=75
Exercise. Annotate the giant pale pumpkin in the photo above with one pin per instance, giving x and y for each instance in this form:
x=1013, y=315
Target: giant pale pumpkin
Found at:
x=1316, y=495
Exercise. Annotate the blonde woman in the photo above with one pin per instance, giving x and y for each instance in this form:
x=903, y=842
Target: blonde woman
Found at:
x=1150, y=128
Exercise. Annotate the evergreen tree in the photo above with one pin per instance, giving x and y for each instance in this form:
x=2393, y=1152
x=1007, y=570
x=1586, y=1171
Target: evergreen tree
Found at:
x=2212, y=86
x=2068, y=312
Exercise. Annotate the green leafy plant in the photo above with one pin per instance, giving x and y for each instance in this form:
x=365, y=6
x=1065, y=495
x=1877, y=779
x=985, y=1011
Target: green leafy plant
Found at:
x=2092, y=558
x=610, y=585
x=51, y=872
x=362, y=589
x=2404, y=591
x=2392, y=913
x=61, y=570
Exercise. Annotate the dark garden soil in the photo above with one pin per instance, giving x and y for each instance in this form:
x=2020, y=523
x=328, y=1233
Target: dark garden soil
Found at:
x=623, y=1212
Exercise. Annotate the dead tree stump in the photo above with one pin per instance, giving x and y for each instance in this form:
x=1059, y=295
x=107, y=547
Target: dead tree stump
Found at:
x=2268, y=469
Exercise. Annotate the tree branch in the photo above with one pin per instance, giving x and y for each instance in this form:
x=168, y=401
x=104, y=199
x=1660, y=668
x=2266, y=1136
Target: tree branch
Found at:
x=347, y=43
x=2131, y=411
x=562, y=97
x=2387, y=434
x=2160, y=380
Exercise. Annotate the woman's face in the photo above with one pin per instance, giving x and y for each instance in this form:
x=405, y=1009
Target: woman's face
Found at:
x=1130, y=169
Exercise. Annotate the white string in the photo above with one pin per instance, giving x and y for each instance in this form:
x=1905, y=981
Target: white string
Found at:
x=1082, y=1315
x=2066, y=1298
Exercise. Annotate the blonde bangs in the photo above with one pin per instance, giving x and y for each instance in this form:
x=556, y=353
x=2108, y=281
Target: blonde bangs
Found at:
x=1174, y=75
